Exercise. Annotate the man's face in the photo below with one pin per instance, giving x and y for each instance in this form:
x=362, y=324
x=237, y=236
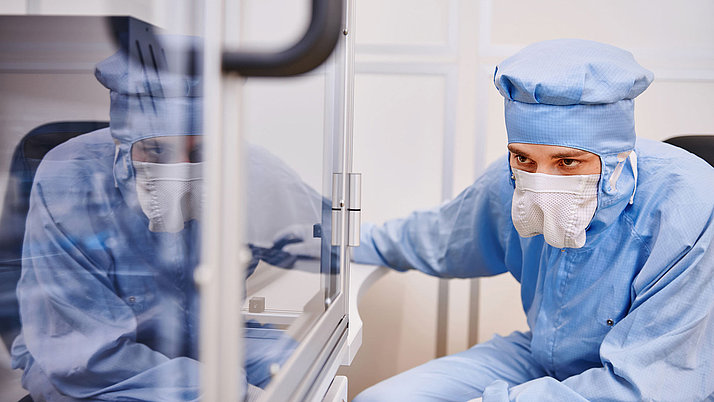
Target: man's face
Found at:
x=553, y=159
x=174, y=149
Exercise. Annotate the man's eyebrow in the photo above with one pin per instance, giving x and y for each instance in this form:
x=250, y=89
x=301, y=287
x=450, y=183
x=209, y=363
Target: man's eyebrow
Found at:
x=516, y=151
x=569, y=154
x=572, y=153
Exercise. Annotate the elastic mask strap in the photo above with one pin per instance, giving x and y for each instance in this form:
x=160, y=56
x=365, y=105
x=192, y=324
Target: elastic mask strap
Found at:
x=633, y=163
x=621, y=158
x=116, y=156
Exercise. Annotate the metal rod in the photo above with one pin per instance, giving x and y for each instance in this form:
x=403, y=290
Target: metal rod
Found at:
x=309, y=52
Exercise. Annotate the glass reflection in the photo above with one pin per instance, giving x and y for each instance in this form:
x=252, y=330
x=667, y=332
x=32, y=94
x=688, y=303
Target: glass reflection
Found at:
x=106, y=295
x=283, y=216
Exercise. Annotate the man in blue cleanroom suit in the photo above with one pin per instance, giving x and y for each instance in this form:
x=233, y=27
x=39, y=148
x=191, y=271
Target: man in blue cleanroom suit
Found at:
x=625, y=312
x=107, y=299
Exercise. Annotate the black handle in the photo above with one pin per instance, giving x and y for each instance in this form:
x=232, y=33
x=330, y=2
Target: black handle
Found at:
x=308, y=53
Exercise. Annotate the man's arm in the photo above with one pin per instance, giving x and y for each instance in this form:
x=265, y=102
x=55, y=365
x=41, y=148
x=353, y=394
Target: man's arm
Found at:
x=464, y=237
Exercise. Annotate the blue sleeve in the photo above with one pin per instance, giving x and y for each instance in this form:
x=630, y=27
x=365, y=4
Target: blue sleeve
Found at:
x=81, y=336
x=662, y=349
x=464, y=237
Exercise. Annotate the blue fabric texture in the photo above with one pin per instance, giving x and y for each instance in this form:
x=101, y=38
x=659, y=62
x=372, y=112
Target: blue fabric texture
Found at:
x=550, y=87
x=627, y=317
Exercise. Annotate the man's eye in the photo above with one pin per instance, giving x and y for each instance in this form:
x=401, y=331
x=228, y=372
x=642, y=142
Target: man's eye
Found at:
x=521, y=159
x=569, y=162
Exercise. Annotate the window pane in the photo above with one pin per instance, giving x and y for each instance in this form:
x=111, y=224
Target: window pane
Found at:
x=98, y=248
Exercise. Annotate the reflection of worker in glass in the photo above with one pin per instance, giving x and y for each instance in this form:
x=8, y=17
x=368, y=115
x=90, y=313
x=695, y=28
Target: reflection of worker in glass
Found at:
x=168, y=178
x=107, y=296
x=609, y=236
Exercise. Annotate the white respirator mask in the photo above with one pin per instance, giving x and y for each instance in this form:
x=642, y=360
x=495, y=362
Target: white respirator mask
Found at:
x=170, y=194
x=559, y=207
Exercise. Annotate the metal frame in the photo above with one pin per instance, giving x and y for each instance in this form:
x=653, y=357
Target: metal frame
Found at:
x=313, y=353
x=220, y=275
x=321, y=351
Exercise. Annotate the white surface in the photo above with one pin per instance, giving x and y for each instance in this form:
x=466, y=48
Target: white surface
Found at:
x=362, y=277
x=337, y=391
x=632, y=24
x=13, y=7
x=391, y=22
x=285, y=116
x=284, y=289
x=273, y=24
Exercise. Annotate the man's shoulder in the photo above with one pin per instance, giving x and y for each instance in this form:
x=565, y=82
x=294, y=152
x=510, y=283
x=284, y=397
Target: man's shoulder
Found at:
x=497, y=179
x=87, y=154
x=682, y=175
x=675, y=189
x=96, y=145
x=80, y=165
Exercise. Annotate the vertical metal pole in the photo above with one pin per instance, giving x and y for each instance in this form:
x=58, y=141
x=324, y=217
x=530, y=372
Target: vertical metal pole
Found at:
x=447, y=184
x=347, y=124
x=474, y=311
x=222, y=269
x=442, y=317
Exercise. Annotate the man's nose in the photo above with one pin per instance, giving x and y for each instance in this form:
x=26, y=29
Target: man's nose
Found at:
x=184, y=157
x=547, y=169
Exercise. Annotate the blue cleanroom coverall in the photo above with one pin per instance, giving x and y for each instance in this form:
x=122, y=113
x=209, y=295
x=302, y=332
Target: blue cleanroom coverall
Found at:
x=109, y=309
x=627, y=317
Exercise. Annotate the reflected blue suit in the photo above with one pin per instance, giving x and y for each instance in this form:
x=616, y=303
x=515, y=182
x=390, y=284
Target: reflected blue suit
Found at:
x=629, y=316
x=109, y=309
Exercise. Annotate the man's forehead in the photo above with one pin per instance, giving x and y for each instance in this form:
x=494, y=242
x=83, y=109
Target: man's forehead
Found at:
x=554, y=151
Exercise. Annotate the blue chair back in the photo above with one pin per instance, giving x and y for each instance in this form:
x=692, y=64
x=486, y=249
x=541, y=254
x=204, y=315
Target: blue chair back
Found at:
x=700, y=145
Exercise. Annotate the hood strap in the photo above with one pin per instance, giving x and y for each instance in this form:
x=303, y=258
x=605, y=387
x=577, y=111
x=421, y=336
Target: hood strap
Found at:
x=622, y=157
x=116, y=157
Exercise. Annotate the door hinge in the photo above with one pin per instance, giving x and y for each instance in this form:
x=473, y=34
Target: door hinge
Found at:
x=351, y=204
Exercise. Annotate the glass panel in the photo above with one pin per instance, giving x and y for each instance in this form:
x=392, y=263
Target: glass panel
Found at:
x=293, y=131
x=294, y=272
x=101, y=172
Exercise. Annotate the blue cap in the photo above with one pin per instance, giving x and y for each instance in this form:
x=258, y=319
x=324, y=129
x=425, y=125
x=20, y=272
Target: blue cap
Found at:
x=572, y=92
x=153, y=94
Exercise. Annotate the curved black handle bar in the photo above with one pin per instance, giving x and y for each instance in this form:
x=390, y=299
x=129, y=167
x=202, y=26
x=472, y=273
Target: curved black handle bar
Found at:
x=305, y=55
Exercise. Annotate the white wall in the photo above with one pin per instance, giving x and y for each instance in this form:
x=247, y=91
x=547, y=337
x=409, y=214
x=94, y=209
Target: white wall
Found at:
x=428, y=120
x=173, y=15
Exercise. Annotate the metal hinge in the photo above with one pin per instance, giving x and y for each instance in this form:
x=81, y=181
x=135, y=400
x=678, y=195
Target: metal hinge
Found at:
x=351, y=204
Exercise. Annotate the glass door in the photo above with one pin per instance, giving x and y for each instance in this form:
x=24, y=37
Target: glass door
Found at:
x=101, y=172
x=294, y=144
x=171, y=230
